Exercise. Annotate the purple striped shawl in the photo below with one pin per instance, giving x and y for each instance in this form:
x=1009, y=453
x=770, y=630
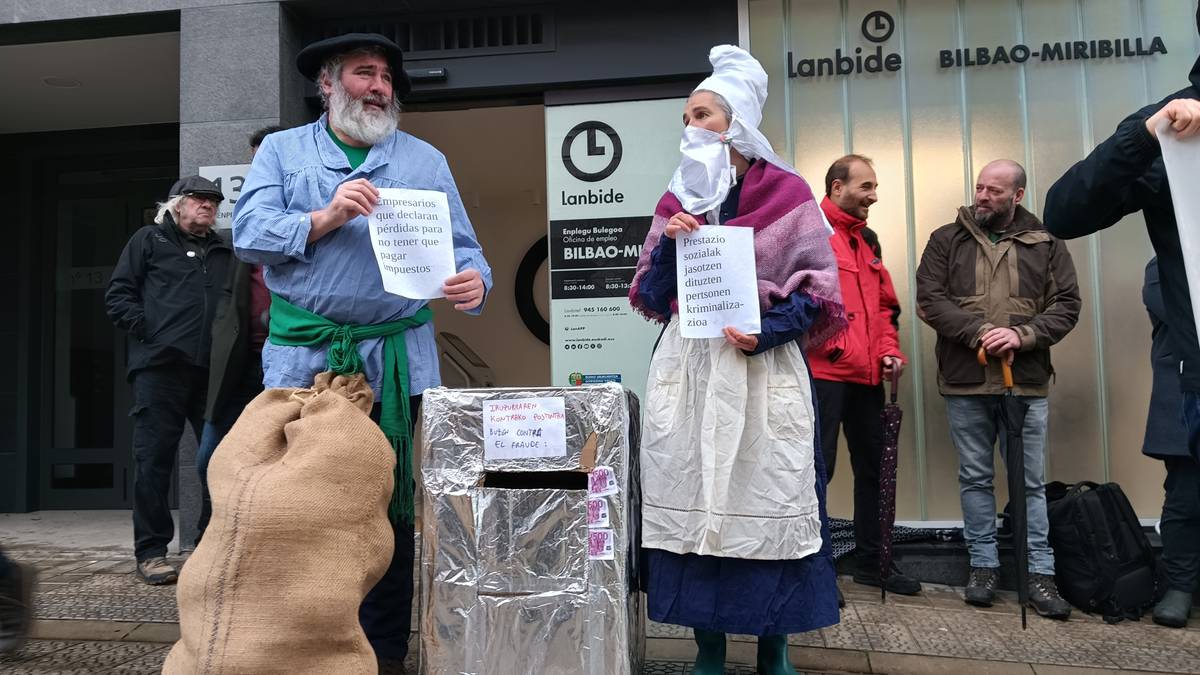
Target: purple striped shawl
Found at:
x=791, y=246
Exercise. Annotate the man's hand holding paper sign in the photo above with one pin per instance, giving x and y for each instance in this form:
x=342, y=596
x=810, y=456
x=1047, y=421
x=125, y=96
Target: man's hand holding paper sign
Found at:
x=718, y=287
x=412, y=238
x=413, y=241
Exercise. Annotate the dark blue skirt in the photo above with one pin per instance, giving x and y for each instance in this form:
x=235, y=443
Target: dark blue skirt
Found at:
x=748, y=597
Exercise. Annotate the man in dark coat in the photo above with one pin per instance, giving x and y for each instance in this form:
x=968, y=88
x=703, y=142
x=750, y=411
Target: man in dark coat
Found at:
x=1123, y=175
x=163, y=293
x=235, y=375
x=1166, y=439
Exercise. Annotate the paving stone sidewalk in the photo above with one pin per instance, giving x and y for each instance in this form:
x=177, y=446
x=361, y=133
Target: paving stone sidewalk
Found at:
x=94, y=617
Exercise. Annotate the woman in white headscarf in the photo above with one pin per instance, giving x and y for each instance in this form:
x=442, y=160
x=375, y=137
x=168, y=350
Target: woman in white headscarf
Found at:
x=734, y=526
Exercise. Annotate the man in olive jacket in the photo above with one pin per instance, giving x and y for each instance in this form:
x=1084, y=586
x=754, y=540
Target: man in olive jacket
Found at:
x=996, y=279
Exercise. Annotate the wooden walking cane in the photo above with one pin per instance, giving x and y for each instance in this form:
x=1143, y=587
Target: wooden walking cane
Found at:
x=1005, y=368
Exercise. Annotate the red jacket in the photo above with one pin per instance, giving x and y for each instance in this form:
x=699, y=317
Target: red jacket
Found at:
x=856, y=355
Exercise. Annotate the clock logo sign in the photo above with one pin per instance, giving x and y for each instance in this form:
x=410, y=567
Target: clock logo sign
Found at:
x=594, y=148
x=878, y=26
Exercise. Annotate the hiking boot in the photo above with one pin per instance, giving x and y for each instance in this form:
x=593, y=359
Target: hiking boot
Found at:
x=1044, y=598
x=710, y=653
x=16, y=605
x=156, y=571
x=981, y=587
x=897, y=582
x=773, y=656
x=1174, y=609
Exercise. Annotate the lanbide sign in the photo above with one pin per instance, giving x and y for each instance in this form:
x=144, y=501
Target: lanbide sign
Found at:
x=607, y=165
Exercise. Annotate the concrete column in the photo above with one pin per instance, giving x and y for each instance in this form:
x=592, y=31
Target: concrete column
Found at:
x=237, y=75
x=229, y=81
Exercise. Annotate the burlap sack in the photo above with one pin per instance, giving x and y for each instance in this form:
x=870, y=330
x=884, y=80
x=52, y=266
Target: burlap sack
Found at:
x=299, y=534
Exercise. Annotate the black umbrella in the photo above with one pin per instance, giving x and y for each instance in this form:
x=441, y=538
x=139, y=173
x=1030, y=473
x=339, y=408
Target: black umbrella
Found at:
x=890, y=418
x=1010, y=416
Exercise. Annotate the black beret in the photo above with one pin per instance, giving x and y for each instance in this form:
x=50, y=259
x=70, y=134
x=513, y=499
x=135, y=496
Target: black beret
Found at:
x=196, y=185
x=311, y=58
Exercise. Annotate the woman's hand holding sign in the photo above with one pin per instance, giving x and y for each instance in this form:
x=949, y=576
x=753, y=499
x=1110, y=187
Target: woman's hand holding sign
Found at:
x=742, y=341
x=681, y=223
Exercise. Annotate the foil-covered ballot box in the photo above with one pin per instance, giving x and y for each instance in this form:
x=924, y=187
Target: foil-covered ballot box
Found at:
x=529, y=529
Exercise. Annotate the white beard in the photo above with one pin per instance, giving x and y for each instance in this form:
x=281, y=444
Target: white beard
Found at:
x=353, y=118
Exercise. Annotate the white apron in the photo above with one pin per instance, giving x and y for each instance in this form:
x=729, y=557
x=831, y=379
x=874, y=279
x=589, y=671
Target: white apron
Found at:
x=727, y=451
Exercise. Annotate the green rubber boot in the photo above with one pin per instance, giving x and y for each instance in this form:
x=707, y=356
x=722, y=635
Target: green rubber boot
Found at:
x=773, y=656
x=710, y=653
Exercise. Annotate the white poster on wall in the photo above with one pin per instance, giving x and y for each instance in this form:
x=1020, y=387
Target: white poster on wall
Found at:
x=229, y=178
x=607, y=165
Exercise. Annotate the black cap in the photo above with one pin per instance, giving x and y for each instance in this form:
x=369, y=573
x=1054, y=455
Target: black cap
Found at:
x=311, y=58
x=196, y=185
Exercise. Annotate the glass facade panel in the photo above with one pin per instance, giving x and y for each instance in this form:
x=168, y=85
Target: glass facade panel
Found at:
x=957, y=102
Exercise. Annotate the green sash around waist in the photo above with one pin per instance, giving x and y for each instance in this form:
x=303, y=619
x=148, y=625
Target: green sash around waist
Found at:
x=293, y=326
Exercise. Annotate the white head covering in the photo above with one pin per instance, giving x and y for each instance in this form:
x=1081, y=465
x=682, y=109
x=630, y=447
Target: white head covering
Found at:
x=705, y=176
x=740, y=80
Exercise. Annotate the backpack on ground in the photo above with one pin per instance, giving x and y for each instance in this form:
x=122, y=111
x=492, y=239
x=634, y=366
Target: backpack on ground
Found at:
x=1102, y=558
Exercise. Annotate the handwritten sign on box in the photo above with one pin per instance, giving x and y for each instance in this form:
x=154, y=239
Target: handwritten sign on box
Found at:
x=522, y=428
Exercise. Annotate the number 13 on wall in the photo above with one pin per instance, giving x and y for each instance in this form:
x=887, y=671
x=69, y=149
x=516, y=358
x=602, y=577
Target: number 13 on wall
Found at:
x=229, y=178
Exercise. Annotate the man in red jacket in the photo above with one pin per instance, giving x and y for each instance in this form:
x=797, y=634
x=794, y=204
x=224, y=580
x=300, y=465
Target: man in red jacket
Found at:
x=849, y=371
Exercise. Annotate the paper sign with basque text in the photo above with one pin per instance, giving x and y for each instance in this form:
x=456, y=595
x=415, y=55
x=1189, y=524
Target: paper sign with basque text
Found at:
x=522, y=428
x=717, y=281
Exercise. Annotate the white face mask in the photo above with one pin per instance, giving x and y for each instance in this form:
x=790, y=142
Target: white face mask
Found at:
x=705, y=172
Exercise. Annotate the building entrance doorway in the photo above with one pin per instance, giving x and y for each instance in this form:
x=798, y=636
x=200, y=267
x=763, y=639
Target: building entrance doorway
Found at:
x=86, y=461
x=498, y=158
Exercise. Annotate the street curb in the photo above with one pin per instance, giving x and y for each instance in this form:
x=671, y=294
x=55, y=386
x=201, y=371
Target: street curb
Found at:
x=104, y=631
x=822, y=659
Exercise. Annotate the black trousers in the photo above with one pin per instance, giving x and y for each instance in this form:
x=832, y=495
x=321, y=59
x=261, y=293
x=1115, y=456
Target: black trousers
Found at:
x=386, y=612
x=1180, y=525
x=856, y=408
x=165, y=399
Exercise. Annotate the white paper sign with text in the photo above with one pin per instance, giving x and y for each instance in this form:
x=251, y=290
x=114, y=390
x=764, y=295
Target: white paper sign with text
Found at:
x=717, y=281
x=1182, y=159
x=522, y=428
x=413, y=242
